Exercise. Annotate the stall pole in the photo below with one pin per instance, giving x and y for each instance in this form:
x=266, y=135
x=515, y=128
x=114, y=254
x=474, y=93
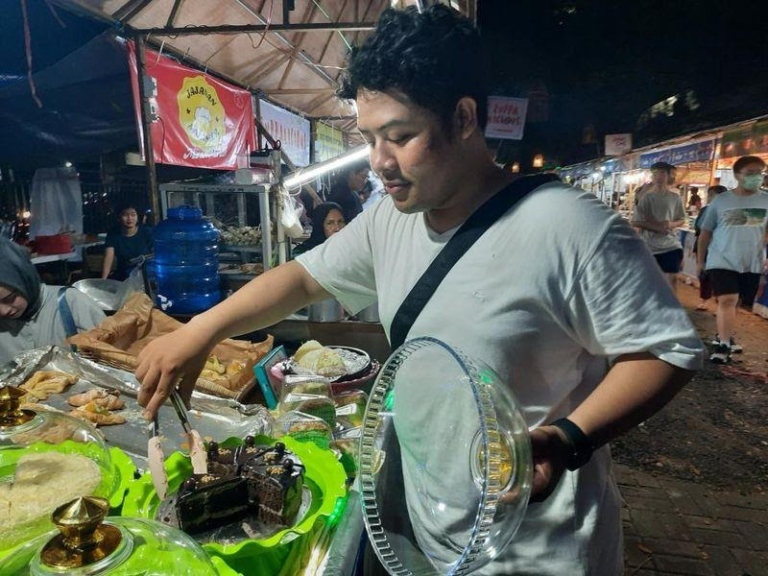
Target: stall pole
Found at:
x=266, y=228
x=149, y=156
x=282, y=251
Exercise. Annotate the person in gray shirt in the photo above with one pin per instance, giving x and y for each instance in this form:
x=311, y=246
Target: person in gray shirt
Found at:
x=659, y=214
x=732, y=249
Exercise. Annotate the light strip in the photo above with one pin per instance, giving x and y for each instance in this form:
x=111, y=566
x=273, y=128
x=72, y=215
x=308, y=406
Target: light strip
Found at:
x=309, y=174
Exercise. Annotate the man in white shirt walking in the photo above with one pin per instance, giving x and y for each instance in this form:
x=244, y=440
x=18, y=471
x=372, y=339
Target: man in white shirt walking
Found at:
x=544, y=296
x=659, y=215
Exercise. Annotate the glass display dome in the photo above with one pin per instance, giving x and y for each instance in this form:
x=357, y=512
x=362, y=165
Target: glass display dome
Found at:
x=445, y=462
x=88, y=544
x=46, y=459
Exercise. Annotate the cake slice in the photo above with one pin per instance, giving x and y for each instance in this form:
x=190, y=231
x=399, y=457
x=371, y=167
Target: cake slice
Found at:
x=275, y=482
x=206, y=502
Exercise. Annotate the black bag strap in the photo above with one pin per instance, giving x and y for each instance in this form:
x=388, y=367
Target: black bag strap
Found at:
x=469, y=233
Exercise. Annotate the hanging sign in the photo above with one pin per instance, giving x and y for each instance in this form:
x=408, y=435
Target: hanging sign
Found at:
x=293, y=131
x=197, y=120
x=698, y=152
x=506, y=117
x=618, y=144
x=329, y=142
x=745, y=141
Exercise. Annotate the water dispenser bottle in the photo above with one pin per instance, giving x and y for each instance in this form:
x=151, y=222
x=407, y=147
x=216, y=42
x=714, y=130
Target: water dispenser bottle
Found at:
x=186, y=262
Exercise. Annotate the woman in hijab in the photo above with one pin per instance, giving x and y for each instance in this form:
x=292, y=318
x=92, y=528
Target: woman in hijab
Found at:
x=327, y=219
x=33, y=315
x=346, y=186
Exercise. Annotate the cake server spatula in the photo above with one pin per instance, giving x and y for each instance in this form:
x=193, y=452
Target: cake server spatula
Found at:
x=197, y=452
x=156, y=459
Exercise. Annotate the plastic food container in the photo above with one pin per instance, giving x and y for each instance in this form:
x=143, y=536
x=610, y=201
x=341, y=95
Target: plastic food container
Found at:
x=46, y=459
x=445, y=462
x=90, y=544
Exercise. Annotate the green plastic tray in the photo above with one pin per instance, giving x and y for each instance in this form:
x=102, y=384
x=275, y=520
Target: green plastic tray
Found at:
x=324, y=476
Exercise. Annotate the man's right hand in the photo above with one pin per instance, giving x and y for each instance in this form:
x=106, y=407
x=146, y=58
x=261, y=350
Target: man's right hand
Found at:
x=174, y=359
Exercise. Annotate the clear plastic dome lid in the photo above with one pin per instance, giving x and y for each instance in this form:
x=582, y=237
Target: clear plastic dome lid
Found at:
x=445, y=462
x=88, y=544
x=46, y=459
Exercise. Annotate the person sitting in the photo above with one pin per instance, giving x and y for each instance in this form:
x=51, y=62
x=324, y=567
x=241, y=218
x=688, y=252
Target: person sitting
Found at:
x=32, y=314
x=327, y=219
x=130, y=241
x=344, y=191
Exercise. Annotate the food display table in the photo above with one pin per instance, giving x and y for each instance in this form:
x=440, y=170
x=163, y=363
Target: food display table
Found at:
x=315, y=548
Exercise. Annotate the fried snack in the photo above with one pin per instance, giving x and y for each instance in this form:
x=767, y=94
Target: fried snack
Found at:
x=46, y=382
x=235, y=367
x=214, y=364
x=103, y=398
x=98, y=415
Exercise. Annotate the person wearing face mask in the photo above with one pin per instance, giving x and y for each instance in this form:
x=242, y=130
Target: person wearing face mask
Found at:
x=32, y=314
x=326, y=221
x=731, y=249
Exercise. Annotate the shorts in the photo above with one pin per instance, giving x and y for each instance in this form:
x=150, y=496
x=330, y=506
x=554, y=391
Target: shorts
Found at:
x=670, y=262
x=705, y=286
x=745, y=284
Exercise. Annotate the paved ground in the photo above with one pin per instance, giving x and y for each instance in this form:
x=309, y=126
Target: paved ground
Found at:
x=676, y=526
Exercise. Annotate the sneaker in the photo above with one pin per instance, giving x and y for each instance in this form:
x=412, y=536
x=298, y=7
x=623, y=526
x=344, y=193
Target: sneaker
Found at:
x=735, y=348
x=721, y=355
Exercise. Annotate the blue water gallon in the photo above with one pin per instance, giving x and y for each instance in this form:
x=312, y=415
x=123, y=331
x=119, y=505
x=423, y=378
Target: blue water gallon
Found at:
x=186, y=262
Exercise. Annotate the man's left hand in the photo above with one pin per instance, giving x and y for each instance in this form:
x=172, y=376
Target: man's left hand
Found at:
x=550, y=450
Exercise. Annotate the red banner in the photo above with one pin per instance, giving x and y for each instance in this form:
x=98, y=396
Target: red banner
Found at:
x=200, y=121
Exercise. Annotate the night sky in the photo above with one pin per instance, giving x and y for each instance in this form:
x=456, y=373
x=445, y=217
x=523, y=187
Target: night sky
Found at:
x=604, y=62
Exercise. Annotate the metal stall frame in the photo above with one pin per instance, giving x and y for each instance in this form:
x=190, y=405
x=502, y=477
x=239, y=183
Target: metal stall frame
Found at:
x=265, y=192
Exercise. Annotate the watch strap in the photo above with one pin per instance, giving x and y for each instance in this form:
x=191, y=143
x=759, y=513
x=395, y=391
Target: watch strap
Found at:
x=580, y=444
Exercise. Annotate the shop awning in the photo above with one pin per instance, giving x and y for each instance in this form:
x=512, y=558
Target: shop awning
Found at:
x=294, y=57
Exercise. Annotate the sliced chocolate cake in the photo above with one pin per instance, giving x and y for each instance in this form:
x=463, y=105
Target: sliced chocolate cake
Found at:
x=206, y=502
x=275, y=480
x=248, y=481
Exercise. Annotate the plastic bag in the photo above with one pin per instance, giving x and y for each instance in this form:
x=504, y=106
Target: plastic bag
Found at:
x=291, y=218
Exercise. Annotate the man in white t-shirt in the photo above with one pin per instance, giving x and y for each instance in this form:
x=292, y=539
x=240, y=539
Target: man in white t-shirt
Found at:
x=545, y=296
x=659, y=215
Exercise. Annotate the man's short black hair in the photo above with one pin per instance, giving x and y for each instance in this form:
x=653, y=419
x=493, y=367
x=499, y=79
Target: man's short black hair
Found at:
x=745, y=161
x=663, y=166
x=433, y=57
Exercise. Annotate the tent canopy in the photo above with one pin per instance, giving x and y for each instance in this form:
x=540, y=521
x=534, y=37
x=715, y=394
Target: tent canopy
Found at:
x=296, y=69
x=294, y=58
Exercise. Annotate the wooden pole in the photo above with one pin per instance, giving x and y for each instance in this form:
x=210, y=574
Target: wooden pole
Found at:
x=149, y=155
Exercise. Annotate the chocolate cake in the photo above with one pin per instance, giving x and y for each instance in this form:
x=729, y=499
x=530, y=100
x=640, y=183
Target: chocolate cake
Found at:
x=207, y=501
x=249, y=481
x=275, y=481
